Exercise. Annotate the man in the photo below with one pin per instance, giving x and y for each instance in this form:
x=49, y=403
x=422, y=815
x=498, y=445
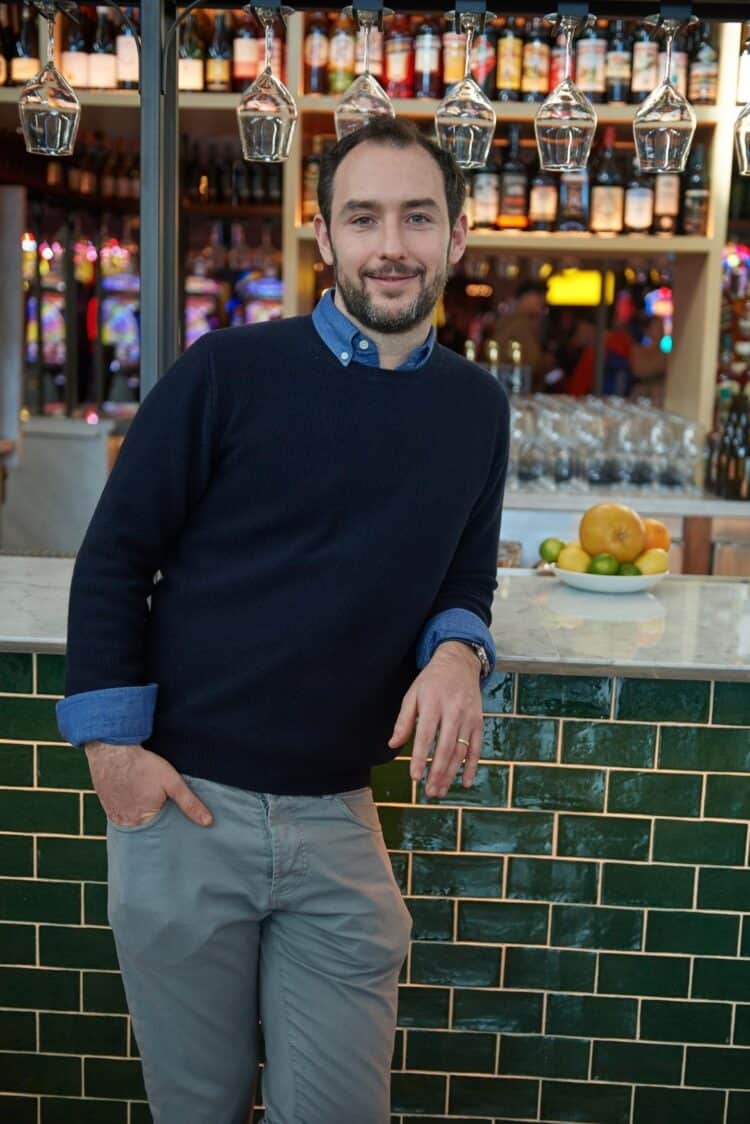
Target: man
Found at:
x=321, y=498
x=524, y=324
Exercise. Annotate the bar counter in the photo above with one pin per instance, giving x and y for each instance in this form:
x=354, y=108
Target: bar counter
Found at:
x=581, y=942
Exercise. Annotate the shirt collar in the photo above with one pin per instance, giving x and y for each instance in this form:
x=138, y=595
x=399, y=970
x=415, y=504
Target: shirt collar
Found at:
x=348, y=344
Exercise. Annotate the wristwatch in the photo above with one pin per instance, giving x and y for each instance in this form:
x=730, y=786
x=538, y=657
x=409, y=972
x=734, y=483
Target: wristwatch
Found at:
x=481, y=655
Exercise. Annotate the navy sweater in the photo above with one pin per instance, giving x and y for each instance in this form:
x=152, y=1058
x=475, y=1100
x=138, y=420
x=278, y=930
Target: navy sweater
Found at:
x=274, y=534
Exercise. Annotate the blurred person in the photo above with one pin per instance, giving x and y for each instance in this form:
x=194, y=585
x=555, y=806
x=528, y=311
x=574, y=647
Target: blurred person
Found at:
x=525, y=324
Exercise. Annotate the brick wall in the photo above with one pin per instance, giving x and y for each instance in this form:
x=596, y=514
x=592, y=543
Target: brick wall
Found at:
x=581, y=916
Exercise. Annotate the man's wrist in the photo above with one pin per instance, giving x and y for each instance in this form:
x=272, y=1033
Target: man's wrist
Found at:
x=463, y=648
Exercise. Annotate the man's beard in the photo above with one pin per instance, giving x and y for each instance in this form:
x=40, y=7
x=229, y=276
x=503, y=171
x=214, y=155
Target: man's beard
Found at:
x=362, y=308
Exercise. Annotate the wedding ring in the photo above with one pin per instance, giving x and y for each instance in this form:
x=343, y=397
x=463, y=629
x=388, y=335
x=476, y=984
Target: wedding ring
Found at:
x=463, y=741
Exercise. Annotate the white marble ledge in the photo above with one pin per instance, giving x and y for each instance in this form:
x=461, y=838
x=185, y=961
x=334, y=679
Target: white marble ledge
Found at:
x=685, y=628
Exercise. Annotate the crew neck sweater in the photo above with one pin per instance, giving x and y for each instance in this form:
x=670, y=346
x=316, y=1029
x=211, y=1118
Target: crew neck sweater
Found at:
x=275, y=533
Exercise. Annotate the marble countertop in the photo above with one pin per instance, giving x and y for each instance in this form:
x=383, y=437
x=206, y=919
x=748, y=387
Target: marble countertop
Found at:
x=686, y=627
x=648, y=503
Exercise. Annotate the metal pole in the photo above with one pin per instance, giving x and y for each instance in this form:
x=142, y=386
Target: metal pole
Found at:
x=171, y=180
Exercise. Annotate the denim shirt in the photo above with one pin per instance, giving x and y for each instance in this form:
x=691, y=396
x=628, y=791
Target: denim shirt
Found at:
x=125, y=715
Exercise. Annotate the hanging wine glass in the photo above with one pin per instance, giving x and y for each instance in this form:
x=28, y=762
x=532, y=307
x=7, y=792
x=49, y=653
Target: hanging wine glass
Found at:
x=742, y=141
x=365, y=98
x=48, y=107
x=465, y=119
x=664, y=125
x=566, y=121
x=266, y=115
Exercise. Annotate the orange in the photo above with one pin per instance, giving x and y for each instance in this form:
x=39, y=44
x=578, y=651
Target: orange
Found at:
x=613, y=528
x=656, y=534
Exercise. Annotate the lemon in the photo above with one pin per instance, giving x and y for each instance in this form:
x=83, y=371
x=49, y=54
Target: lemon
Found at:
x=628, y=570
x=653, y=561
x=573, y=557
x=550, y=549
x=603, y=564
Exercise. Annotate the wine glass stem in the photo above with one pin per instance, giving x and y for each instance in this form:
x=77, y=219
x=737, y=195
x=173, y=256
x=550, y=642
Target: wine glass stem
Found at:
x=467, y=51
x=366, y=48
x=569, y=32
x=50, y=40
x=269, y=45
x=669, y=39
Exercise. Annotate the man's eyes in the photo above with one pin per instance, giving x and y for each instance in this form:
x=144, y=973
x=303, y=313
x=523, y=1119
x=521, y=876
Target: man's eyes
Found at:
x=416, y=219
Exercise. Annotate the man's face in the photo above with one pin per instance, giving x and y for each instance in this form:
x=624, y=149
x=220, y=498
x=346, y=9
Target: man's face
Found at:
x=390, y=244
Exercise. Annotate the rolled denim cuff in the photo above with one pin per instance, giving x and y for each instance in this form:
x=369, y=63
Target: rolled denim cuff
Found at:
x=455, y=624
x=119, y=715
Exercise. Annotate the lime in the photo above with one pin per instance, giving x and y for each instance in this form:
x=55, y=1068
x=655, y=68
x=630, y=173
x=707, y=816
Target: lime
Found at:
x=628, y=570
x=550, y=549
x=603, y=564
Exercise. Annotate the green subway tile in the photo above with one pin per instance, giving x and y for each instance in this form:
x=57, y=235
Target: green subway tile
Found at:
x=552, y=880
x=40, y=901
x=591, y=1016
x=419, y=829
x=423, y=1006
x=417, y=1092
x=140, y=1114
x=40, y=1073
x=712, y=934
x=489, y=789
x=50, y=674
x=483, y=1009
x=718, y=1067
x=502, y=922
x=507, y=832
x=603, y=837
x=742, y=1025
x=16, y=855
x=550, y=969
x=400, y=867
x=643, y=975
x=445, y=1051
x=30, y=720
x=432, y=920
x=721, y=979
x=455, y=965
x=94, y=819
x=17, y=1032
x=16, y=673
x=678, y=1106
x=745, y=939
x=497, y=695
x=608, y=743
x=63, y=947
x=442, y=1120
x=16, y=765
x=738, y=1108
x=705, y=748
x=539, y=1055
x=594, y=1104
x=32, y=810
x=723, y=889
x=68, y=1111
x=105, y=1077
x=103, y=991
x=82, y=1034
x=728, y=797
x=397, y=1061
x=62, y=766
x=457, y=876
x=39, y=988
x=520, y=739
x=493, y=1095
x=641, y=1063
x=597, y=927
x=731, y=704
x=95, y=904
x=558, y=788
x=662, y=700
x=19, y=1110
x=641, y=884
x=655, y=794
x=711, y=844
x=391, y=783
x=84, y=859
x=685, y=1022
x=573, y=696
x=17, y=944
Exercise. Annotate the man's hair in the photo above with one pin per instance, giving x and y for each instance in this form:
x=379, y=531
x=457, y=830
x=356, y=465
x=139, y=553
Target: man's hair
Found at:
x=397, y=133
x=529, y=286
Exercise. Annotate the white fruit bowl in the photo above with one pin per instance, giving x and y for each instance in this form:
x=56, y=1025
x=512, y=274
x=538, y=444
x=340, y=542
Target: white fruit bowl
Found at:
x=605, y=583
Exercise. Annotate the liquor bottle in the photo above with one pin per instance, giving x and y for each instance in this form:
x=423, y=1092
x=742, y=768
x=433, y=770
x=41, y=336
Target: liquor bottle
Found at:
x=695, y=193
x=108, y=180
x=273, y=183
x=557, y=62
x=607, y=191
x=122, y=179
x=310, y=177
x=191, y=65
x=543, y=201
x=573, y=209
x=399, y=57
x=513, y=213
x=453, y=56
x=485, y=190
x=225, y=174
x=703, y=82
x=126, y=52
x=737, y=480
x=666, y=204
x=213, y=193
x=246, y=48
x=639, y=201
x=509, y=61
x=219, y=57
x=535, y=62
x=74, y=60
x=743, y=72
x=316, y=53
x=484, y=60
x=134, y=171
x=591, y=63
x=428, y=63
x=679, y=74
x=645, y=69
x=618, y=65
x=341, y=55
x=103, y=57
x=25, y=62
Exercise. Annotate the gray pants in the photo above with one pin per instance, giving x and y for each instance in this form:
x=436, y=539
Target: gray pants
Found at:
x=285, y=908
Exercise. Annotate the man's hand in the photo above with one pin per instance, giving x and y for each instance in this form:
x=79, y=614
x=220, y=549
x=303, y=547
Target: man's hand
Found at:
x=445, y=694
x=133, y=784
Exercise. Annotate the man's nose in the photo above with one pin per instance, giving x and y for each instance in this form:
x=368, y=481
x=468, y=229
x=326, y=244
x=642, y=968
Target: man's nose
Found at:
x=393, y=242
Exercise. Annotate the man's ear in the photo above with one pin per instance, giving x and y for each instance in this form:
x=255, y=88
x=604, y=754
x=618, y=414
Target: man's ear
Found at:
x=459, y=235
x=324, y=242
